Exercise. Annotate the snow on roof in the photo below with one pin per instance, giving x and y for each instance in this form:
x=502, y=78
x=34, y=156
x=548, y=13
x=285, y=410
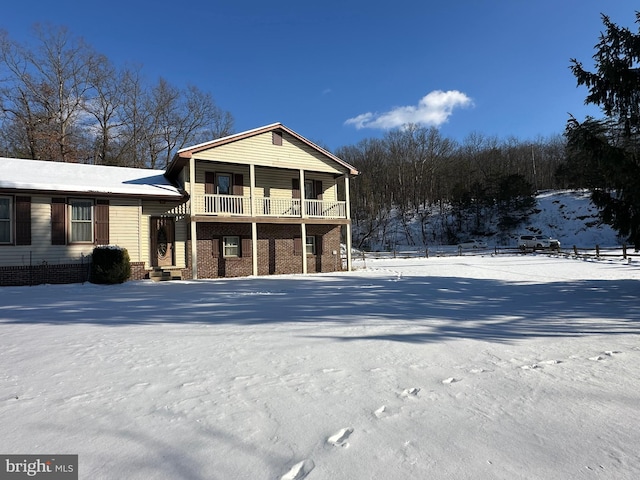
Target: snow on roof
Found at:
x=20, y=174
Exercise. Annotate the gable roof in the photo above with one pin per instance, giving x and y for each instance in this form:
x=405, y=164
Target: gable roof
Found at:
x=47, y=176
x=179, y=159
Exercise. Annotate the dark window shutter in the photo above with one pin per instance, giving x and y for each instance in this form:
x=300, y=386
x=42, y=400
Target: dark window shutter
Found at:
x=317, y=187
x=295, y=188
x=23, y=220
x=102, y=222
x=58, y=221
x=246, y=250
x=238, y=184
x=209, y=183
x=297, y=245
x=215, y=247
x=276, y=138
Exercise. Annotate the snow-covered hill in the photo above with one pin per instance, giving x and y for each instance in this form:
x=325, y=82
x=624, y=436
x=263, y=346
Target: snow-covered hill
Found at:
x=568, y=215
x=571, y=217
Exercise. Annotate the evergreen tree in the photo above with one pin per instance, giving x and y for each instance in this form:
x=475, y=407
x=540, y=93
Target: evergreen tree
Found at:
x=607, y=151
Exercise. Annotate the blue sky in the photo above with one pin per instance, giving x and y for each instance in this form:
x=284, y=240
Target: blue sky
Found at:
x=340, y=71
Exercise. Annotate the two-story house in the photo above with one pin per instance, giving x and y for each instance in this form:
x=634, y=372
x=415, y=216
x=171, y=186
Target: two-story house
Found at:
x=264, y=201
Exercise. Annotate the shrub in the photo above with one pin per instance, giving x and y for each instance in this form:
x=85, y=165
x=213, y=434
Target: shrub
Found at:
x=110, y=264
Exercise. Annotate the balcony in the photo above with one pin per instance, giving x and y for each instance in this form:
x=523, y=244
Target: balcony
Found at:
x=239, y=206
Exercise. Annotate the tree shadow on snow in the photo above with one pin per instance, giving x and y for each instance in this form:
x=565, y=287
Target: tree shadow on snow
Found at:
x=407, y=309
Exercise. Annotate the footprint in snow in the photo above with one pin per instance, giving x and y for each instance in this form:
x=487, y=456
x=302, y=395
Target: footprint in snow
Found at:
x=597, y=358
x=381, y=412
x=410, y=392
x=299, y=471
x=339, y=439
x=551, y=362
x=450, y=380
x=533, y=366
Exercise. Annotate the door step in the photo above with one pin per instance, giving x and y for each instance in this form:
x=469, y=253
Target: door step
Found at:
x=159, y=274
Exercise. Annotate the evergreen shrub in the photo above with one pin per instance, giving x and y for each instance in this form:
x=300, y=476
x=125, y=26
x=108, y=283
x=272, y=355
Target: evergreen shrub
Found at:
x=110, y=264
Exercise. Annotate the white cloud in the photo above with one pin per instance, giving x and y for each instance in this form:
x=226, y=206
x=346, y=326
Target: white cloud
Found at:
x=432, y=110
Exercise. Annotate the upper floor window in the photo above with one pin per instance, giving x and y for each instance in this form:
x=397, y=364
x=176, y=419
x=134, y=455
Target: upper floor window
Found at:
x=223, y=184
x=5, y=220
x=81, y=221
x=309, y=190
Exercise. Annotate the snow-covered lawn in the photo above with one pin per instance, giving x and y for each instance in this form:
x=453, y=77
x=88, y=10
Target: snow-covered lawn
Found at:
x=455, y=367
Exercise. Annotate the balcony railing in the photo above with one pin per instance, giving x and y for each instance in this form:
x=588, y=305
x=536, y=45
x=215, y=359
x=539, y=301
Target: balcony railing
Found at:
x=235, y=205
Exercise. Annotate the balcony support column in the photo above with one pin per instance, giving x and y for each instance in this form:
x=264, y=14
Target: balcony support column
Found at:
x=254, y=249
x=303, y=197
x=348, y=226
x=193, y=224
x=303, y=240
x=254, y=226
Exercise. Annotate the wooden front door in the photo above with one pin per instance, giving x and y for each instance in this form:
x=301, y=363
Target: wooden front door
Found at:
x=162, y=241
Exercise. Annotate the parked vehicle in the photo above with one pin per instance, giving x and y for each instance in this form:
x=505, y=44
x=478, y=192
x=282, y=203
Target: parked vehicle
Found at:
x=473, y=243
x=538, y=242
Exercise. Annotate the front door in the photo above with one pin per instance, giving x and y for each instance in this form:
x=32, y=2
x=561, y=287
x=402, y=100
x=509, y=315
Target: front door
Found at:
x=162, y=241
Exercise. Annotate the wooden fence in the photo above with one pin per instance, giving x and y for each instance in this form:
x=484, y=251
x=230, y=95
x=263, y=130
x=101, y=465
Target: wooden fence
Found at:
x=622, y=252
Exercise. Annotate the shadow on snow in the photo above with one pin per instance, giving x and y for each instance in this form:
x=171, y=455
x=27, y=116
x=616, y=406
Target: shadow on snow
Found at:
x=404, y=309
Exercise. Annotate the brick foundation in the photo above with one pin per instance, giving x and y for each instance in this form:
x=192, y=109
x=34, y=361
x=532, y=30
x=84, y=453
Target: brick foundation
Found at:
x=44, y=273
x=56, y=274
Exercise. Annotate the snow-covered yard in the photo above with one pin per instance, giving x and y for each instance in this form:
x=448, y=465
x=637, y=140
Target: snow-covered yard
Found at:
x=455, y=367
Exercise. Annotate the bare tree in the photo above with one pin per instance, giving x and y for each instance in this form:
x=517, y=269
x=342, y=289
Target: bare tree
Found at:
x=63, y=101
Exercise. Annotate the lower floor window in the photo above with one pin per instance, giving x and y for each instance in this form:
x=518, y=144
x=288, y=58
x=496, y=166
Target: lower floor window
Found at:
x=231, y=246
x=5, y=220
x=81, y=221
x=311, y=245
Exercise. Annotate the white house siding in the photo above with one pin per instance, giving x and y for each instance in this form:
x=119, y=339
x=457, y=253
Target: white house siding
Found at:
x=260, y=151
x=41, y=251
x=275, y=181
x=128, y=228
x=124, y=226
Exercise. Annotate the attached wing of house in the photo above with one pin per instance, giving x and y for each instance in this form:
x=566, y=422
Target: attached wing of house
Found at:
x=260, y=202
x=52, y=215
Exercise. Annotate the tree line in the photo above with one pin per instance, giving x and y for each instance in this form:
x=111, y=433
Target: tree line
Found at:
x=61, y=100
x=413, y=172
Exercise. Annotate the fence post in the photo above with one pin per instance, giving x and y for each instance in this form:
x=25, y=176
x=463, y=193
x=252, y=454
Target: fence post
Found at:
x=597, y=251
x=426, y=252
x=575, y=250
x=624, y=251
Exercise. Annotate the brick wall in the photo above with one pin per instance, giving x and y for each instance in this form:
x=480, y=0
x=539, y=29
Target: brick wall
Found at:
x=56, y=274
x=275, y=250
x=44, y=273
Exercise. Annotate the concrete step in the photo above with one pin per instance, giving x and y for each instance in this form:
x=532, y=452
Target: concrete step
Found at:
x=158, y=274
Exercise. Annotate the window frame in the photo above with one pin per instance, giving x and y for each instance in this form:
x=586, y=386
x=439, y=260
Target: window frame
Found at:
x=311, y=245
x=9, y=220
x=217, y=184
x=90, y=221
x=227, y=244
